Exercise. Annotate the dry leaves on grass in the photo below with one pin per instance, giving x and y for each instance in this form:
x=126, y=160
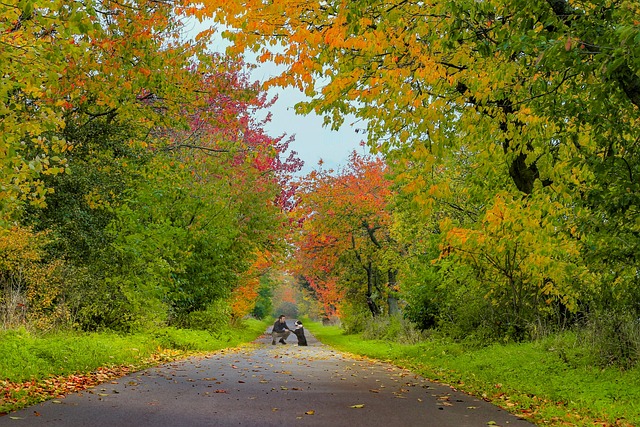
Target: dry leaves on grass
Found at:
x=17, y=395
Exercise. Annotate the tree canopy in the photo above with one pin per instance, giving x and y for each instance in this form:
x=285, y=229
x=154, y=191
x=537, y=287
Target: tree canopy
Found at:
x=133, y=168
x=510, y=130
x=501, y=197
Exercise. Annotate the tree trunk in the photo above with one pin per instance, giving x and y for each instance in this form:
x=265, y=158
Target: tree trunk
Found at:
x=373, y=307
x=392, y=301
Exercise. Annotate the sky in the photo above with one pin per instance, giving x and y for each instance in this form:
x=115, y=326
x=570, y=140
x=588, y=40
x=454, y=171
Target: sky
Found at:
x=312, y=142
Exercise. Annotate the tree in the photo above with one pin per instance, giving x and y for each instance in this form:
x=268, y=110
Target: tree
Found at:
x=498, y=66
x=79, y=62
x=134, y=149
x=544, y=94
x=345, y=243
x=187, y=229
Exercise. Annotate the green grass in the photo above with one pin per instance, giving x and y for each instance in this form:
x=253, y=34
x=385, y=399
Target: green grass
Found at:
x=538, y=379
x=32, y=366
x=26, y=356
x=196, y=340
x=531, y=379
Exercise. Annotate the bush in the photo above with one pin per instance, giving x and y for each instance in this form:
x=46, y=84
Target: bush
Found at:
x=465, y=314
x=392, y=328
x=97, y=304
x=30, y=285
x=354, y=318
x=614, y=338
x=449, y=298
x=264, y=306
x=422, y=296
x=216, y=317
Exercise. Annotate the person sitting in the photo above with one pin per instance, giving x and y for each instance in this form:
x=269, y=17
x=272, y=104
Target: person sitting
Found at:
x=280, y=329
x=299, y=332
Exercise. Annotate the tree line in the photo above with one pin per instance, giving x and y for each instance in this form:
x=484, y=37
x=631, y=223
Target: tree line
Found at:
x=501, y=202
x=509, y=133
x=137, y=186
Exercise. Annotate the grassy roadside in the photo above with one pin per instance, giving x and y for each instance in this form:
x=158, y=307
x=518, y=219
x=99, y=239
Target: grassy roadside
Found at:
x=530, y=379
x=36, y=368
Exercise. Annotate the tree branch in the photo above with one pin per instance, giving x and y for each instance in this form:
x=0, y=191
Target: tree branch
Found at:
x=628, y=81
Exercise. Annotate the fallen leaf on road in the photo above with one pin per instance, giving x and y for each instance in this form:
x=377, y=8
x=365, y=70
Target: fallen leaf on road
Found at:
x=311, y=412
x=359, y=406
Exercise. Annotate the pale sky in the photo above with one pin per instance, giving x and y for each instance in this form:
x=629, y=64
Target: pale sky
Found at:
x=313, y=142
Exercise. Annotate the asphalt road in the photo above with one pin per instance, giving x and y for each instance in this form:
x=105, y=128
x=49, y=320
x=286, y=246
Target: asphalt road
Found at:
x=265, y=385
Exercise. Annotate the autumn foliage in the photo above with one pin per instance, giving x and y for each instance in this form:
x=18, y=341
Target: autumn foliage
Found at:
x=136, y=185
x=345, y=250
x=501, y=201
x=29, y=284
x=245, y=295
x=510, y=133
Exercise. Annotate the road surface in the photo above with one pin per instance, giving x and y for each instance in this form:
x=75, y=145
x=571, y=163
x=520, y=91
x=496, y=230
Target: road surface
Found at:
x=266, y=385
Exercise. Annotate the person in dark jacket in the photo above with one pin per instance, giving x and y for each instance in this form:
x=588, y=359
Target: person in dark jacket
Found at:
x=280, y=329
x=299, y=332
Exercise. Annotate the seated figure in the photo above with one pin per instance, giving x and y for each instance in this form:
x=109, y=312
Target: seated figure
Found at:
x=280, y=330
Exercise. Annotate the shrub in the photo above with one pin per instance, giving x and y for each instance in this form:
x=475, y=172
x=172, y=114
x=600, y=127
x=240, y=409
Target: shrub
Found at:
x=264, y=306
x=30, y=285
x=354, y=318
x=215, y=318
x=614, y=338
x=97, y=304
x=392, y=328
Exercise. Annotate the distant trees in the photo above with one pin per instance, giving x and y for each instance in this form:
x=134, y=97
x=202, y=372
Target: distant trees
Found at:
x=346, y=252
